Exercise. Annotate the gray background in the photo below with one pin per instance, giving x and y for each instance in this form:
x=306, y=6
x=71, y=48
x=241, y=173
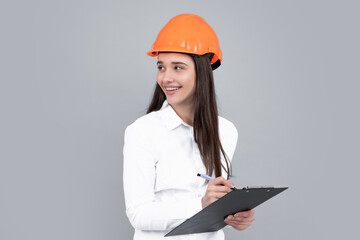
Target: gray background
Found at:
x=74, y=74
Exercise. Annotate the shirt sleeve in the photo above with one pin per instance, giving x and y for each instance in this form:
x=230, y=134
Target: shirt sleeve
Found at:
x=233, y=138
x=229, y=138
x=139, y=174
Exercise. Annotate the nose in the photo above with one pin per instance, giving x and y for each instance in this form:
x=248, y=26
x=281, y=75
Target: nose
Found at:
x=166, y=76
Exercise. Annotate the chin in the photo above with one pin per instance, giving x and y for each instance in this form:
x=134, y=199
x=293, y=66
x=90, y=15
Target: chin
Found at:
x=172, y=102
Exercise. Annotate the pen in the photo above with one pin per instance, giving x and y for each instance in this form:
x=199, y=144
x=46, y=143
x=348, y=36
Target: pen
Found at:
x=204, y=176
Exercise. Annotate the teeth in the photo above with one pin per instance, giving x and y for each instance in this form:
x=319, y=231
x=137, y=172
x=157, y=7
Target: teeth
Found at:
x=172, y=89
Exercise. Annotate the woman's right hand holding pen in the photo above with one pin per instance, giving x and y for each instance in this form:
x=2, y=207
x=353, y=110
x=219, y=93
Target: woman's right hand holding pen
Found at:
x=216, y=189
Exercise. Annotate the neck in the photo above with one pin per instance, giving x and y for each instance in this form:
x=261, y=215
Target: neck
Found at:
x=186, y=113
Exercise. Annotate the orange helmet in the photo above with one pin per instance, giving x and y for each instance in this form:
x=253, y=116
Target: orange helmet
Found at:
x=188, y=33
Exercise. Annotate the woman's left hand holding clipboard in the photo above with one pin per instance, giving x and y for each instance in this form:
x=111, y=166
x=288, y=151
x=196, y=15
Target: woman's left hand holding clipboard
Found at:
x=216, y=189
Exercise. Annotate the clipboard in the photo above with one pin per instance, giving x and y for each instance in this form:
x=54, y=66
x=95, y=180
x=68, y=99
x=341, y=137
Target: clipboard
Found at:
x=211, y=218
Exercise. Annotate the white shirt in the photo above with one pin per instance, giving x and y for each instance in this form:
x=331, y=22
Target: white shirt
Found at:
x=161, y=162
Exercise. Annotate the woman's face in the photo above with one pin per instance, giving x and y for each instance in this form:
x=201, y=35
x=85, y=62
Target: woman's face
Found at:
x=177, y=78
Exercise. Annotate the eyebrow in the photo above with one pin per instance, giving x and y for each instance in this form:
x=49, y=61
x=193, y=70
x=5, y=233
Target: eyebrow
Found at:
x=174, y=63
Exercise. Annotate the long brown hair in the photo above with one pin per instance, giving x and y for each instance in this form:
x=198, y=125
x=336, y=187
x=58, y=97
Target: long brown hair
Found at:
x=206, y=126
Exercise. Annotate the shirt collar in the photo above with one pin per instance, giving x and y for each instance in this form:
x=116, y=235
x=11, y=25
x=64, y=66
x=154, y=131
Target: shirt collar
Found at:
x=170, y=117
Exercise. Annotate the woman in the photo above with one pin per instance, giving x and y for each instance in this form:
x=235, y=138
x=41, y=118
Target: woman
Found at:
x=180, y=136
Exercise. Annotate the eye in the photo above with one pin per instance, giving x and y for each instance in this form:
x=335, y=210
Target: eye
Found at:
x=178, y=68
x=160, y=68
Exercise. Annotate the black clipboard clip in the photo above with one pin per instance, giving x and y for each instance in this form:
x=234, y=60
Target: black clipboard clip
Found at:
x=257, y=187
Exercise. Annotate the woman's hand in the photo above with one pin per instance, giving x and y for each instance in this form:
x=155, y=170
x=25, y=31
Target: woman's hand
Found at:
x=216, y=189
x=241, y=220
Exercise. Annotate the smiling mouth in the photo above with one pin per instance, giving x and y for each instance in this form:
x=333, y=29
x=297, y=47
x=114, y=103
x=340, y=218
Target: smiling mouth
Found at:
x=171, y=89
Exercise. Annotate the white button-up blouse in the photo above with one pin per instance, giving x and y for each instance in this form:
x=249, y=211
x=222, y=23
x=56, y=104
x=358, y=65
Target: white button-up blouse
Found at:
x=161, y=162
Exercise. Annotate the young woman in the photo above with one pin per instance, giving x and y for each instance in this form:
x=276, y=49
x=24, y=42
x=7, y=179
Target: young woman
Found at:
x=181, y=135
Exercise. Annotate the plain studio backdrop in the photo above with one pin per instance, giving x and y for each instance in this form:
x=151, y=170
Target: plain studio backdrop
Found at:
x=75, y=73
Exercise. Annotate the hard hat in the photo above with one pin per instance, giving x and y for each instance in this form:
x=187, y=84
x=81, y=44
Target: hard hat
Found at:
x=188, y=33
